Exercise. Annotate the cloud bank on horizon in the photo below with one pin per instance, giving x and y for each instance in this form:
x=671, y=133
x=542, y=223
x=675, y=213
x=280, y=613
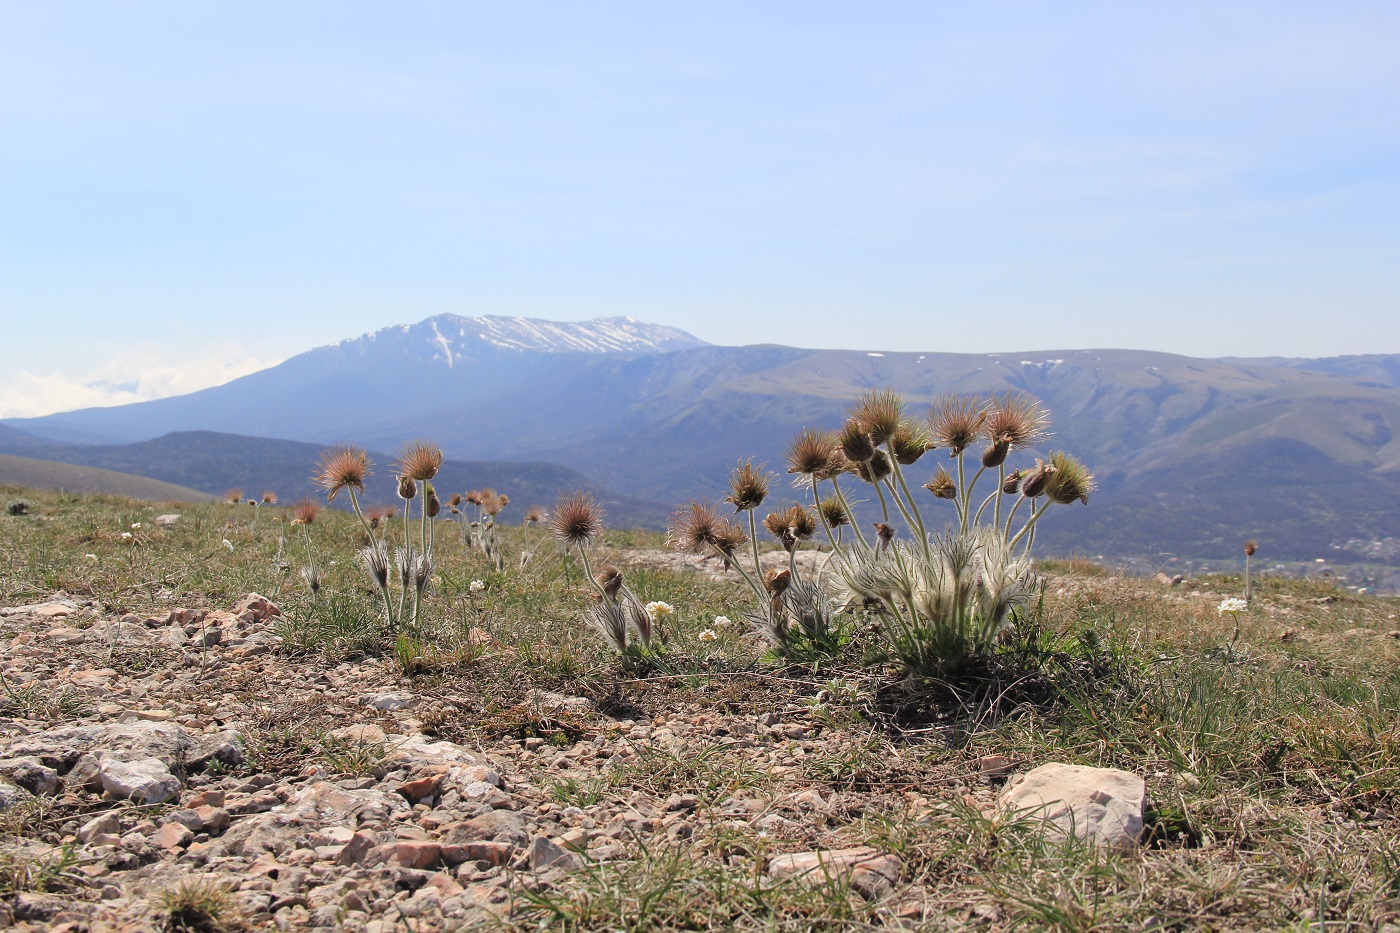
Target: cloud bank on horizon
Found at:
x=1208, y=179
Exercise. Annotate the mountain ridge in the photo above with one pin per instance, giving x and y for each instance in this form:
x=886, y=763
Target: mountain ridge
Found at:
x=666, y=425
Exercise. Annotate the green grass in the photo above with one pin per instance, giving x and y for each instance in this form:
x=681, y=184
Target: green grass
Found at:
x=1274, y=767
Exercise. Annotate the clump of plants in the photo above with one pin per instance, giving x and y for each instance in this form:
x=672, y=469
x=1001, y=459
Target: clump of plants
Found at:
x=479, y=530
x=617, y=614
x=410, y=564
x=17, y=508
x=792, y=612
x=947, y=593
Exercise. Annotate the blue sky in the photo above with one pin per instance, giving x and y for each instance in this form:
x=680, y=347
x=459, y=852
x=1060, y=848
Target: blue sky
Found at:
x=192, y=191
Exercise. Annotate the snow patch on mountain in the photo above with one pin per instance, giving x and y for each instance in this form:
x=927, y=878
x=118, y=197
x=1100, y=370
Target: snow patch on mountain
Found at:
x=449, y=337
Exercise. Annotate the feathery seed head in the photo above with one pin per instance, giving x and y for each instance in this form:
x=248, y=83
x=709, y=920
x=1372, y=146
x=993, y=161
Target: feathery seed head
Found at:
x=269, y=497
x=609, y=578
x=942, y=485
x=776, y=582
x=696, y=527
x=534, y=515
x=390, y=511
x=1250, y=547
x=879, y=413
x=1070, y=480
x=455, y=500
x=810, y=451
x=374, y=515
x=731, y=538
x=342, y=468
x=1016, y=419
x=419, y=460
x=234, y=496
x=748, y=486
x=910, y=442
x=474, y=497
x=305, y=512
x=874, y=469
x=834, y=512
x=956, y=421
x=855, y=442
x=576, y=519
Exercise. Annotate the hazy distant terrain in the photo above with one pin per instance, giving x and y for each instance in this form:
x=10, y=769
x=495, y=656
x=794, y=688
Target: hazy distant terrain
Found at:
x=1193, y=455
x=49, y=474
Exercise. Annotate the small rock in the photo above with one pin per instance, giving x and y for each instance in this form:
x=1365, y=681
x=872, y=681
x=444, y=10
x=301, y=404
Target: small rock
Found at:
x=146, y=780
x=994, y=765
x=546, y=853
x=172, y=835
x=106, y=824
x=1102, y=805
x=28, y=772
x=871, y=873
x=387, y=702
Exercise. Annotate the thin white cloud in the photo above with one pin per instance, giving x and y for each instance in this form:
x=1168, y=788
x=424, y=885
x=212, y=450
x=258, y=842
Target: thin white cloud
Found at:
x=132, y=377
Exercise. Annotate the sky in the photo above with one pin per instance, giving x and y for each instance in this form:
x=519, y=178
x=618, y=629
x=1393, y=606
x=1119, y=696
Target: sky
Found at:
x=190, y=192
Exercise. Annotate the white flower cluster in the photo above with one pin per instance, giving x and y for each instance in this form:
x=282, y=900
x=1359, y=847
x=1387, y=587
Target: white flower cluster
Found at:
x=1232, y=605
x=476, y=586
x=709, y=635
x=723, y=621
x=659, y=610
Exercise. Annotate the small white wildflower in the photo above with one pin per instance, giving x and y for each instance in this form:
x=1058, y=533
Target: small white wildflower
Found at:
x=135, y=524
x=1233, y=604
x=90, y=556
x=708, y=635
x=476, y=586
x=228, y=544
x=659, y=610
x=723, y=621
x=126, y=534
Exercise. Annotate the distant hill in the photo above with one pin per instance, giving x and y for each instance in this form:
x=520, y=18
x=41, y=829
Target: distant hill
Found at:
x=213, y=463
x=49, y=474
x=1193, y=455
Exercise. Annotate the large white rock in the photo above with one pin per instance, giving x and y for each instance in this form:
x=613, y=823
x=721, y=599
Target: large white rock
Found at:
x=145, y=780
x=1105, y=806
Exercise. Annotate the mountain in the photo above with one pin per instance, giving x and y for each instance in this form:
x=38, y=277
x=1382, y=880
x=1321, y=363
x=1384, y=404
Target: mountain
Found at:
x=1193, y=456
x=214, y=463
x=387, y=380
x=28, y=473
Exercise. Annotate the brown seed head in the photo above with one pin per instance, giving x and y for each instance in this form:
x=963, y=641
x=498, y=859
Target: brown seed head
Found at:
x=879, y=413
x=269, y=497
x=1016, y=419
x=885, y=534
x=874, y=469
x=910, y=442
x=305, y=512
x=731, y=538
x=956, y=421
x=455, y=500
x=1250, y=547
x=474, y=497
x=834, y=512
x=390, y=511
x=374, y=516
x=810, y=451
x=609, y=578
x=855, y=442
x=995, y=454
x=419, y=460
x=534, y=515
x=342, y=468
x=234, y=496
x=696, y=527
x=1069, y=480
x=776, y=582
x=576, y=519
x=942, y=485
x=748, y=486
x=1036, y=479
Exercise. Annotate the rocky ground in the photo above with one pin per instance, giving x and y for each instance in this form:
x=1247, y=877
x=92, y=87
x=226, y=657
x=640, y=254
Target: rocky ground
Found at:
x=131, y=780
